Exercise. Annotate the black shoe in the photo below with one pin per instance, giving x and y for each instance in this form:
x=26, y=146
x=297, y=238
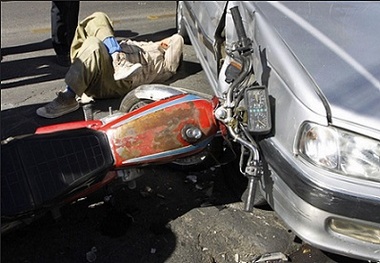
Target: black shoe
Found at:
x=63, y=60
x=61, y=105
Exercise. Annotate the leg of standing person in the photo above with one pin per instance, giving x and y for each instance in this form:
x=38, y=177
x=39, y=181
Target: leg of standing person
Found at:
x=64, y=20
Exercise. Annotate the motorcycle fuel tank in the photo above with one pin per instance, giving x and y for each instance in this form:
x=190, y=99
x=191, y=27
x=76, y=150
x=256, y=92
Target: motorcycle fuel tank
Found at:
x=163, y=130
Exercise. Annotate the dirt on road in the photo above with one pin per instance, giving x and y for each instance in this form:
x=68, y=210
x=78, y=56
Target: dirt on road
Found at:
x=171, y=216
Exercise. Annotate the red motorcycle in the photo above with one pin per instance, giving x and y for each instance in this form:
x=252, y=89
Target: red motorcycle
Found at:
x=155, y=124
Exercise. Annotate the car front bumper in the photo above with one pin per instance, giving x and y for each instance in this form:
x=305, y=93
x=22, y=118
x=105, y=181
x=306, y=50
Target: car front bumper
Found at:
x=311, y=206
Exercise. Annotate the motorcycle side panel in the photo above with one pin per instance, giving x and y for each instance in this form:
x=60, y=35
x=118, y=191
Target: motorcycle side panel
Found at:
x=152, y=134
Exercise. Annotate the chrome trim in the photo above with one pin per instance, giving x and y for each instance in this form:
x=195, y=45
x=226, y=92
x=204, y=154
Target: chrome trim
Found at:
x=175, y=152
x=188, y=97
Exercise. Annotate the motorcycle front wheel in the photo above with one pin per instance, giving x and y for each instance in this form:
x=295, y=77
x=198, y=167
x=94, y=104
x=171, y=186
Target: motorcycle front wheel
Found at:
x=131, y=103
x=198, y=162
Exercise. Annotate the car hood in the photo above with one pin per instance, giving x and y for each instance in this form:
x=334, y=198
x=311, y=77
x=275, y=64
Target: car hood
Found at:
x=338, y=44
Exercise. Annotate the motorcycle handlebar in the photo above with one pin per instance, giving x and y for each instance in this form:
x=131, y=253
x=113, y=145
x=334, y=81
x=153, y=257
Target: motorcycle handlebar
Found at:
x=244, y=41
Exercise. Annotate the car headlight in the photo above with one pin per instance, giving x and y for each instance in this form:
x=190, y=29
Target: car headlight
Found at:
x=340, y=151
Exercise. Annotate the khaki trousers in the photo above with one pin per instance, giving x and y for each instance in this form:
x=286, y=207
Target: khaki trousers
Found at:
x=92, y=71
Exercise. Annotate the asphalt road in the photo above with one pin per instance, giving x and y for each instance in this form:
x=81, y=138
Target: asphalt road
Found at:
x=172, y=216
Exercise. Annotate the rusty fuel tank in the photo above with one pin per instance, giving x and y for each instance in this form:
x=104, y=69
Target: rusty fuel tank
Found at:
x=157, y=132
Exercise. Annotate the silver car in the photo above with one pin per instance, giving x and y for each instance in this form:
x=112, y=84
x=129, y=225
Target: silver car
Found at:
x=321, y=64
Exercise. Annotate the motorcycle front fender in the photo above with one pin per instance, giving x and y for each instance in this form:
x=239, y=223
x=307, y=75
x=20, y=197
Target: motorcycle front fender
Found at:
x=157, y=92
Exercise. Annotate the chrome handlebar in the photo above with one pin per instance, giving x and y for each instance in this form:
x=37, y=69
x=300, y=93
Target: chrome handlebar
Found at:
x=226, y=113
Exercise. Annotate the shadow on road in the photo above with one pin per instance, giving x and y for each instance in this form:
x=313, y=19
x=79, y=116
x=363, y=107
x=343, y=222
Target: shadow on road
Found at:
x=134, y=226
x=34, y=70
x=24, y=120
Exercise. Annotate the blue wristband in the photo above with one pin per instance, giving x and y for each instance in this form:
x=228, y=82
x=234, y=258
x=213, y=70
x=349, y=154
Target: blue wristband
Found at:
x=112, y=45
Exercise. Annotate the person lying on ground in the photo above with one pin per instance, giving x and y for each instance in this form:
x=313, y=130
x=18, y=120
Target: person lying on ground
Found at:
x=101, y=67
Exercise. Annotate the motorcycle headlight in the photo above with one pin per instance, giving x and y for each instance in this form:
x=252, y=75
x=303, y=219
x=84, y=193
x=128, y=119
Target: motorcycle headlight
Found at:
x=340, y=151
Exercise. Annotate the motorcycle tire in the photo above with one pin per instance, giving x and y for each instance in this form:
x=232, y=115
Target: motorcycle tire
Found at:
x=198, y=162
x=131, y=103
x=203, y=160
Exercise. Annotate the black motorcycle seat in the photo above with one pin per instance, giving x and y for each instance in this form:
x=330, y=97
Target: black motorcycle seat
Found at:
x=41, y=169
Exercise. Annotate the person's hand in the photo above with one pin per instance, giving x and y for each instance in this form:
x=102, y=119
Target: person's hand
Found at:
x=119, y=59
